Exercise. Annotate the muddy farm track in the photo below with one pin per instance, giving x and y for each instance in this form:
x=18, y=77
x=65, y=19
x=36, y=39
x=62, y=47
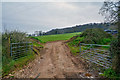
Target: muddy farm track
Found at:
x=56, y=62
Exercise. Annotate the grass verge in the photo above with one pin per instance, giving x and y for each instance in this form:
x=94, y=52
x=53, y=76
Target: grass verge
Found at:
x=74, y=50
x=110, y=73
x=16, y=64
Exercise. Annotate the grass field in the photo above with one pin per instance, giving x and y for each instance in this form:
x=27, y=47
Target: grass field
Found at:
x=48, y=38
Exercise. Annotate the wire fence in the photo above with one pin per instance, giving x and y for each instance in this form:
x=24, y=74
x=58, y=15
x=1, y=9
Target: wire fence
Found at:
x=18, y=50
x=95, y=53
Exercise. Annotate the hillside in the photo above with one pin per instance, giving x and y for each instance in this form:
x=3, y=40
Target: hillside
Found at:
x=79, y=28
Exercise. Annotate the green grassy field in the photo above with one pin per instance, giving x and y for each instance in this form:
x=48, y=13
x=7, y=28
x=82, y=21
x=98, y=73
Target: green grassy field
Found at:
x=48, y=38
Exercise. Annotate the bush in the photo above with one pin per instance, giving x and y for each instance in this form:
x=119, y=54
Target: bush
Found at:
x=15, y=36
x=92, y=36
x=96, y=36
x=11, y=37
x=7, y=38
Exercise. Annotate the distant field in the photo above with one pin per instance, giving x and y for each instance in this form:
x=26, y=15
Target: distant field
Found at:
x=56, y=37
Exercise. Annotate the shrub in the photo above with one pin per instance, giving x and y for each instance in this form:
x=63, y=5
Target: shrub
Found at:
x=96, y=36
x=11, y=37
x=15, y=36
x=7, y=38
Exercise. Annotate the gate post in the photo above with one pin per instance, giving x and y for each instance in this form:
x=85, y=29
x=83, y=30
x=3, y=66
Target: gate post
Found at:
x=80, y=49
x=31, y=47
x=10, y=46
x=11, y=49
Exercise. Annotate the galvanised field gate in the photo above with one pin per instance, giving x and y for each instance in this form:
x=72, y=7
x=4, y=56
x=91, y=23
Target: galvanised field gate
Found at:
x=18, y=50
x=93, y=53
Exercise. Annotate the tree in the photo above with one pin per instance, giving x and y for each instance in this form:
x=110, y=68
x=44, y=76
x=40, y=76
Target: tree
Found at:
x=111, y=11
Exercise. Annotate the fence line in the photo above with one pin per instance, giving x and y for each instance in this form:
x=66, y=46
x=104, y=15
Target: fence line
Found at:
x=94, y=55
x=18, y=50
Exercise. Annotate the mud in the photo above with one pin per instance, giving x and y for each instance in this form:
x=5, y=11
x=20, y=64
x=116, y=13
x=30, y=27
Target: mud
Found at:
x=56, y=61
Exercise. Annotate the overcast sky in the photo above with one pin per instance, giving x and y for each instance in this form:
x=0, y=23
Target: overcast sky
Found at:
x=44, y=16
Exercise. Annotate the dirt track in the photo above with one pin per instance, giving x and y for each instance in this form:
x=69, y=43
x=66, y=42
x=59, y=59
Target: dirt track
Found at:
x=56, y=62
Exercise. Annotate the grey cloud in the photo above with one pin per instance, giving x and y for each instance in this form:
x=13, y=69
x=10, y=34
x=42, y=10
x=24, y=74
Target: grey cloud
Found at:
x=48, y=15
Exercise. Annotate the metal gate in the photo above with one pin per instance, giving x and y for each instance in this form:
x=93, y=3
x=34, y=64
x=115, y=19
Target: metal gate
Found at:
x=92, y=53
x=18, y=50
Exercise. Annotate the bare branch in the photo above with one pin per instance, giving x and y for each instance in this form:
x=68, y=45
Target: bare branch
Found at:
x=109, y=11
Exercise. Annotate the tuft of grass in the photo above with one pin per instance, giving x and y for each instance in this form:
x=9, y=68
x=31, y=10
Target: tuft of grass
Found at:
x=74, y=50
x=37, y=39
x=106, y=41
x=105, y=47
x=110, y=73
x=16, y=64
x=76, y=41
x=36, y=44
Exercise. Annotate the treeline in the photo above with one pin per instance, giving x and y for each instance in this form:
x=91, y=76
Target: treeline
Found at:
x=80, y=28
